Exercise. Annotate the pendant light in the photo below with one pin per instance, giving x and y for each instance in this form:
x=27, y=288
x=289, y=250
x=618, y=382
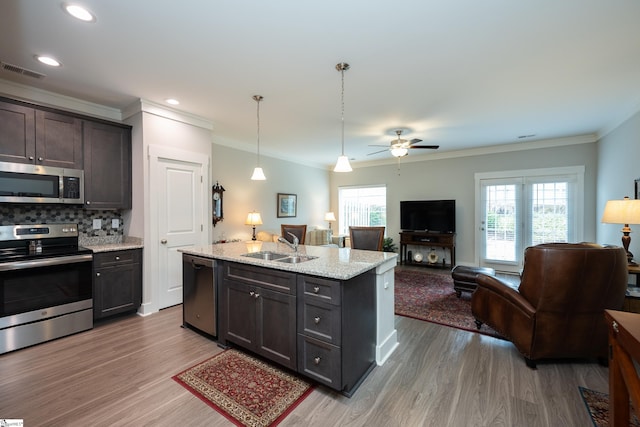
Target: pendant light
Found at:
x=258, y=174
x=343, y=161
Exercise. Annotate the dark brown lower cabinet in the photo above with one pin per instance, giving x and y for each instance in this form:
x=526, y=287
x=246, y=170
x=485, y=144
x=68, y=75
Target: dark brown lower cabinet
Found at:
x=258, y=311
x=321, y=328
x=117, y=282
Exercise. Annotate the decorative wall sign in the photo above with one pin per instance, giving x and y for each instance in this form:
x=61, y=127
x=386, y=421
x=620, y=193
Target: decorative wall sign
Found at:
x=287, y=205
x=637, y=188
x=217, y=191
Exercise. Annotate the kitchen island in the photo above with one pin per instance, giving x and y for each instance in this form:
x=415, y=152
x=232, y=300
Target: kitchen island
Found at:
x=329, y=316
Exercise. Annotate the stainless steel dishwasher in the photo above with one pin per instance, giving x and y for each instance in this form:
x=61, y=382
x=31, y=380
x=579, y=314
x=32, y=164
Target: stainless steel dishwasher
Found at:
x=199, y=293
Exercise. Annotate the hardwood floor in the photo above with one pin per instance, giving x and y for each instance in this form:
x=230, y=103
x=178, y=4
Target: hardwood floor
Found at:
x=120, y=373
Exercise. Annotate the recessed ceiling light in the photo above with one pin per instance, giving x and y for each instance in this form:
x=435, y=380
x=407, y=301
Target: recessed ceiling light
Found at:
x=48, y=60
x=172, y=101
x=79, y=12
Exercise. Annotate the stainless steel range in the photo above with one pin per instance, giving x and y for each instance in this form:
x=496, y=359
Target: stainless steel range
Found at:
x=45, y=284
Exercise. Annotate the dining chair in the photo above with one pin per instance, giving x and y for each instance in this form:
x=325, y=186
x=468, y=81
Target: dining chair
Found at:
x=367, y=238
x=300, y=231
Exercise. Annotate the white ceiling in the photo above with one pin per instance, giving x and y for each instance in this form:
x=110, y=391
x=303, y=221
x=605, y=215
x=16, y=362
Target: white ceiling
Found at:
x=458, y=73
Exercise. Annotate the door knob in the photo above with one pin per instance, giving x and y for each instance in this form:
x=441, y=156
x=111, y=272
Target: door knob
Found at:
x=163, y=241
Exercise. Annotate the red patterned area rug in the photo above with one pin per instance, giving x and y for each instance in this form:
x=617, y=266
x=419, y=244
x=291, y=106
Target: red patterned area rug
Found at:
x=597, y=404
x=430, y=296
x=246, y=390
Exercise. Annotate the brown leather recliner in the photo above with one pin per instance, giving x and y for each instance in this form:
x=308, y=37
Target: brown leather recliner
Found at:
x=558, y=310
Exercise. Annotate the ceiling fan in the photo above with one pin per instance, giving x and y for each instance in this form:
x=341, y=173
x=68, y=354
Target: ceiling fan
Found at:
x=400, y=147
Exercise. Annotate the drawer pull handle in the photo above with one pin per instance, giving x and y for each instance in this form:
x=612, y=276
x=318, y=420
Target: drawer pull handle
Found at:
x=316, y=289
x=316, y=319
x=251, y=293
x=317, y=360
x=98, y=274
x=257, y=295
x=614, y=325
x=117, y=258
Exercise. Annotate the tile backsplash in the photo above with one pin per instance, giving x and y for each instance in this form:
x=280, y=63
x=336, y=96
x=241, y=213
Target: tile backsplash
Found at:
x=49, y=214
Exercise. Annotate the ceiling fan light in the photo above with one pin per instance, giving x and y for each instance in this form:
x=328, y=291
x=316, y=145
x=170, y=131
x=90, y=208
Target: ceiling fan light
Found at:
x=258, y=175
x=342, y=165
x=399, y=152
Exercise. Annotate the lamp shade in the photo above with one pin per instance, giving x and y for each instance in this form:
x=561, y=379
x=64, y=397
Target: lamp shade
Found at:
x=625, y=211
x=343, y=165
x=258, y=175
x=329, y=216
x=253, y=218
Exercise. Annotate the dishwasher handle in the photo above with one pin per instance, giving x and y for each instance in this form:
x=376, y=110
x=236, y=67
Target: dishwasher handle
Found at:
x=199, y=262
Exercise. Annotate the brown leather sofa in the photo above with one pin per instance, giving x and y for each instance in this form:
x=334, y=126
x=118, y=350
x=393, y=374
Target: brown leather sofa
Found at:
x=558, y=309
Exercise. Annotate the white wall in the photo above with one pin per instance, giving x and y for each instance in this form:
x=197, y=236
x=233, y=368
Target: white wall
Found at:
x=618, y=167
x=233, y=168
x=152, y=126
x=453, y=178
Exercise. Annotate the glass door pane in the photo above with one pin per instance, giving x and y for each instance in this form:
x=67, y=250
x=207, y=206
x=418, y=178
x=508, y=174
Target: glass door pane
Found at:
x=549, y=213
x=501, y=229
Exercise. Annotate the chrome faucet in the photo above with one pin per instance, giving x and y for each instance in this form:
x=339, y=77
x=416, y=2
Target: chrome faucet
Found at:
x=293, y=245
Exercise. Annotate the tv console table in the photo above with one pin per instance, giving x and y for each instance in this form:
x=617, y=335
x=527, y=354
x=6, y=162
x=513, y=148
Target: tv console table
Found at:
x=425, y=238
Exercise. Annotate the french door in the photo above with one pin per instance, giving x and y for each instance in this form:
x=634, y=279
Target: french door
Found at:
x=525, y=208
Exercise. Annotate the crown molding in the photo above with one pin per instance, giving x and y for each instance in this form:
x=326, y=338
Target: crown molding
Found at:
x=490, y=149
x=55, y=100
x=146, y=106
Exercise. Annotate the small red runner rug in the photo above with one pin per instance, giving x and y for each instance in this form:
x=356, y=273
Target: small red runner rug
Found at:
x=430, y=296
x=597, y=404
x=246, y=390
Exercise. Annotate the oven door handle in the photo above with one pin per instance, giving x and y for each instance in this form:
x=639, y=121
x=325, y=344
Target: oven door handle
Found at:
x=45, y=262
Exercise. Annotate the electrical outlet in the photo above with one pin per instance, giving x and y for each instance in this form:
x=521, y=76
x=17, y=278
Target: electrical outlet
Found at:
x=115, y=223
x=97, y=224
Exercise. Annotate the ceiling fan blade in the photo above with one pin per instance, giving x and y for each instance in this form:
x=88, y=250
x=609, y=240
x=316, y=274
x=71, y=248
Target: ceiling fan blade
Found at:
x=414, y=141
x=378, y=145
x=431, y=147
x=376, y=152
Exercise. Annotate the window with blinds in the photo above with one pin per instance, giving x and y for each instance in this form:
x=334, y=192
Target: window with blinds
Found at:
x=361, y=206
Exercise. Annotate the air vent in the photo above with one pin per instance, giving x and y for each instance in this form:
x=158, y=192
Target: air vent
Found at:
x=20, y=70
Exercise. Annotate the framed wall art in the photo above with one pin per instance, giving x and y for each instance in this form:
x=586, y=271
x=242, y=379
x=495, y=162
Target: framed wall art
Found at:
x=637, y=188
x=287, y=205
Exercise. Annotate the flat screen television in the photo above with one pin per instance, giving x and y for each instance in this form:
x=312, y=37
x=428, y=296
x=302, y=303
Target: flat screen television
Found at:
x=437, y=216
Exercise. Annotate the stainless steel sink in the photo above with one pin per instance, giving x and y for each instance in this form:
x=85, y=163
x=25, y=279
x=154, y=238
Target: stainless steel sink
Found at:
x=295, y=259
x=266, y=255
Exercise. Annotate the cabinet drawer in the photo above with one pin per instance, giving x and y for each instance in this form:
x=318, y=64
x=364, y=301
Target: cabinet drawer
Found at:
x=116, y=257
x=315, y=288
x=280, y=281
x=320, y=361
x=320, y=320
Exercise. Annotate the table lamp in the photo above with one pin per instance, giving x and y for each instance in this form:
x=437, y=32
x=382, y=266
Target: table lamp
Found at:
x=626, y=211
x=329, y=217
x=253, y=219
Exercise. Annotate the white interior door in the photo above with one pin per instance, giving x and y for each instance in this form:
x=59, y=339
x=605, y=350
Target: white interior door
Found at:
x=181, y=204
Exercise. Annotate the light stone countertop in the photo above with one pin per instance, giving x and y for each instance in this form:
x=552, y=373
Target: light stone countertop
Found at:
x=333, y=263
x=127, y=243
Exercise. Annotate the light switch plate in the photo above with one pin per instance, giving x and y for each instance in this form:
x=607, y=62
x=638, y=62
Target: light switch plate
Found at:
x=115, y=223
x=97, y=224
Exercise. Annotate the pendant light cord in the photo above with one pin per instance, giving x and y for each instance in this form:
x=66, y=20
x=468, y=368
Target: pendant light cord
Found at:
x=342, y=116
x=258, y=98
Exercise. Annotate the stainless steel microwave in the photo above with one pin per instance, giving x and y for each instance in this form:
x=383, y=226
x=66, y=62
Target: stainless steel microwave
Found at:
x=24, y=183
